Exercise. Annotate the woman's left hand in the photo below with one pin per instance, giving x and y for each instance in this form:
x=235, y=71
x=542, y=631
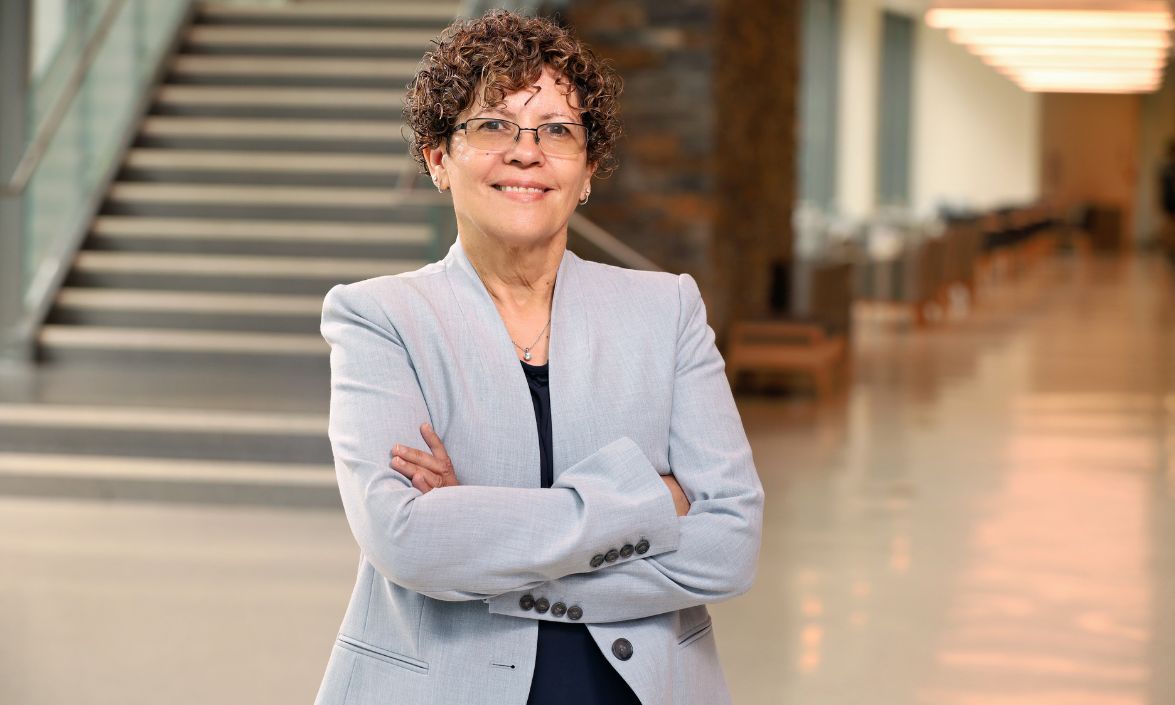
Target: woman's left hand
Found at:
x=427, y=471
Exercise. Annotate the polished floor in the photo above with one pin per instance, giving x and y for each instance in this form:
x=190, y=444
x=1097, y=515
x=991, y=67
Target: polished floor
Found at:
x=987, y=518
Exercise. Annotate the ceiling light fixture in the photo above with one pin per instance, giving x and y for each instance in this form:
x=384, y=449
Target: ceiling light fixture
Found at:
x=1064, y=45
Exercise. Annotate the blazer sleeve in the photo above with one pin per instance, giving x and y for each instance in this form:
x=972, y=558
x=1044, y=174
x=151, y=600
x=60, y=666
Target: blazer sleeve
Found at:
x=711, y=459
x=466, y=542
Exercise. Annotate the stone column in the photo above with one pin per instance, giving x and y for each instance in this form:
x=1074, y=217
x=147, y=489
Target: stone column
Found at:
x=707, y=167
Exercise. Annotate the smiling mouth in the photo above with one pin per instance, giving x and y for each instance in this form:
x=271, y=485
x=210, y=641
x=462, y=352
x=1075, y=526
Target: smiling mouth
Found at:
x=521, y=189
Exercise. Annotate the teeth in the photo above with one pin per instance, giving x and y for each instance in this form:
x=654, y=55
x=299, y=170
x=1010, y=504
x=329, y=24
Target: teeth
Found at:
x=519, y=189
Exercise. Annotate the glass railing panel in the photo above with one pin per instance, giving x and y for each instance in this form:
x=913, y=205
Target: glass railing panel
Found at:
x=87, y=144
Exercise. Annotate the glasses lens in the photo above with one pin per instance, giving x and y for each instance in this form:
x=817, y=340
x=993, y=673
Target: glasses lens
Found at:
x=484, y=133
x=499, y=135
x=562, y=138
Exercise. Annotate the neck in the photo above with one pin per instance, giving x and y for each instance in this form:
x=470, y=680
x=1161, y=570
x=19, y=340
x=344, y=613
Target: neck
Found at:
x=519, y=278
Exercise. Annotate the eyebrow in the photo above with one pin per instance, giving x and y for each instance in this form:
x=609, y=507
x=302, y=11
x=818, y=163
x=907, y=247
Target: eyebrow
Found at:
x=511, y=114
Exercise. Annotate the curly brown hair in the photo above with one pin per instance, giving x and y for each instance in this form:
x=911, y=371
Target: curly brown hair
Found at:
x=502, y=52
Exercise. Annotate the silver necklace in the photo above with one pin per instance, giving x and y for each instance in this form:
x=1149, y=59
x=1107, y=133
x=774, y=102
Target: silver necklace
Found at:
x=526, y=351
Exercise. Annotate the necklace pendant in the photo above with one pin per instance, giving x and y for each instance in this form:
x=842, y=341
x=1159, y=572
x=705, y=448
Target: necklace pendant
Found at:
x=526, y=354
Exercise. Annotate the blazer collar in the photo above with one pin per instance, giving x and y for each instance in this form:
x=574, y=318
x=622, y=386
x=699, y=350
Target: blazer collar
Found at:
x=569, y=352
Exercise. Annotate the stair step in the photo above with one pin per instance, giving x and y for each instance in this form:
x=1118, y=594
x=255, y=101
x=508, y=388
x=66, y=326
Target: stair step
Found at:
x=267, y=128
x=380, y=241
x=265, y=167
x=156, y=340
x=150, y=431
x=335, y=13
x=239, y=265
x=262, y=231
x=307, y=276
x=166, y=469
x=268, y=195
x=318, y=163
x=350, y=39
x=282, y=133
x=187, y=310
x=219, y=96
x=168, y=479
x=286, y=67
x=151, y=418
x=189, y=302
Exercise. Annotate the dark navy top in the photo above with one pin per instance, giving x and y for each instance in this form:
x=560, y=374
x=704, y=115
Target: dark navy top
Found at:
x=569, y=668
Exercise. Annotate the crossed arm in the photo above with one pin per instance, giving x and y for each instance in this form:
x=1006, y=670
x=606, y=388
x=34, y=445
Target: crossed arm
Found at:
x=438, y=542
x=434, y=469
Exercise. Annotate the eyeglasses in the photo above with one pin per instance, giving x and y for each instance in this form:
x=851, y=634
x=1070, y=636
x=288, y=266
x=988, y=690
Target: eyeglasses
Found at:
x=564, y=139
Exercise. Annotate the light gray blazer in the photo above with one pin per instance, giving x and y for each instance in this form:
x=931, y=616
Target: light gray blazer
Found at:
x=637, y=388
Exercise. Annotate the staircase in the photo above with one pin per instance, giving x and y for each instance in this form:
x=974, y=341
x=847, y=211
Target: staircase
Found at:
x=182, y=358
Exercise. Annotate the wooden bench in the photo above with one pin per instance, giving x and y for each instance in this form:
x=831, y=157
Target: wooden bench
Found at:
x=789, y=347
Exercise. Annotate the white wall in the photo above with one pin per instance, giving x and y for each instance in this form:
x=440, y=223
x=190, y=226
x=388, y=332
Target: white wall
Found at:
x=976, y=133
x=975, y=136
x=860, y=48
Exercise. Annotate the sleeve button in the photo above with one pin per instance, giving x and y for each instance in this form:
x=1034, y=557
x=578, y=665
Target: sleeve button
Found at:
x=541, y=605
x=626, y=551
x=558, y=609
x=527, y=602
x=612, y=555
x=622, y=649
x=597, y=560
x=642, y=547
x=574, y=612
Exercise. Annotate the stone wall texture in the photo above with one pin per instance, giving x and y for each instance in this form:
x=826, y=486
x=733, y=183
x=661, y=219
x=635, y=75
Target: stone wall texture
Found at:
x=707, y=166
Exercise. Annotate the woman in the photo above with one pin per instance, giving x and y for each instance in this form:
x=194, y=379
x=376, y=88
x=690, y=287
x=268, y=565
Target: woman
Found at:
x=503, y=565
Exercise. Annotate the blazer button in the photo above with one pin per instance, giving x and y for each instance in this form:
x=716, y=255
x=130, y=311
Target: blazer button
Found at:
x=527, y=602
x=642, y=547
x=597, y=560
x=574, y=612
x=626, y=551
x=558, y=609
x=541, y=605
x=612, y=555
x=622, y=649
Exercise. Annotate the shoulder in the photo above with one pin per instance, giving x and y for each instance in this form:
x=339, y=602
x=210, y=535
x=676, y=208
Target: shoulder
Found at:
x=662, y=292
x=373, y=298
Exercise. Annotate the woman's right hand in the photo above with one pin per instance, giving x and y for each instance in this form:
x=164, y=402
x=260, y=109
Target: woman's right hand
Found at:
x=680, y=502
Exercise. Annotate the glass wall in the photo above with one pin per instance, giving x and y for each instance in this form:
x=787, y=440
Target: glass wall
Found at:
x=87, y=109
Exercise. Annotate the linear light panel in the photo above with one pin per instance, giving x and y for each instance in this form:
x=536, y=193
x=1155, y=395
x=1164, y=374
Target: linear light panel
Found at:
x=1064, y=45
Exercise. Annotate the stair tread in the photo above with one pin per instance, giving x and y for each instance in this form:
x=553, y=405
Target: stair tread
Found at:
x=238, y=160
x=165, y=469
x=291, y=66
x=279, y=230
x=342, y=197
x=348, y=37
x=236, y=265
x=292, y=97
x=94, y=298
x=269, y=128
x=154, y=418
x=441, y=12
x=261, y=230
x=211, y=341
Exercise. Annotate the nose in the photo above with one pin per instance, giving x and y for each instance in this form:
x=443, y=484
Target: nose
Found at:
x=526, y=150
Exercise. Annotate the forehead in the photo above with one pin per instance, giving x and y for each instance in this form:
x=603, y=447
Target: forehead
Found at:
x=549, y=95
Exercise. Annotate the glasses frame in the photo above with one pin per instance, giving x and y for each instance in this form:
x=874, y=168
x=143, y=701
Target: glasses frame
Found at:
x=519, y=129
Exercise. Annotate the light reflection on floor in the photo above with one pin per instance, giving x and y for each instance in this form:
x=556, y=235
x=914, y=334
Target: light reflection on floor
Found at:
x=988, y=519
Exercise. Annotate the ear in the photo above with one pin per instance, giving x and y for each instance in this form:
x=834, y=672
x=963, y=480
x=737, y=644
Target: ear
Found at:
x=591, y=171
x=434, y=157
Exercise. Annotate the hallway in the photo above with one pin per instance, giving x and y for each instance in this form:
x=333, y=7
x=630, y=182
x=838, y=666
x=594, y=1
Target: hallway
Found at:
x=988, y=519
